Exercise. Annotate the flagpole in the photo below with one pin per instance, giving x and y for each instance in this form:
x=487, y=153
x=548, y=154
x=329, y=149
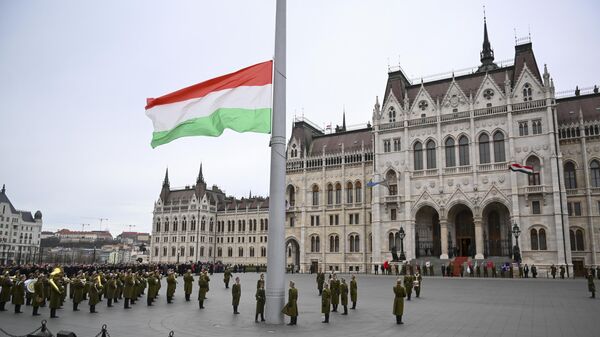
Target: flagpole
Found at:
x=275, y=287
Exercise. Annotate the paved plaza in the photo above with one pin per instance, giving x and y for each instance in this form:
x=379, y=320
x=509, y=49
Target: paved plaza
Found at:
x=448, y=307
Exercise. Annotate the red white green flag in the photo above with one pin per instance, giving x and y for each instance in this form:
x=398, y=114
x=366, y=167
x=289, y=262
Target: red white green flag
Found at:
x=521, y=168
x=240, y=101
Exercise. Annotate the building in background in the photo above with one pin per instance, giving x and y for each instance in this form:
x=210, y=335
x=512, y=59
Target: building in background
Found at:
x=67, y=235
x=20, y=233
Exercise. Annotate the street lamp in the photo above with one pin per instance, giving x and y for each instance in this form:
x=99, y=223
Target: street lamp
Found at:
x=402, y=235
x=516, y=251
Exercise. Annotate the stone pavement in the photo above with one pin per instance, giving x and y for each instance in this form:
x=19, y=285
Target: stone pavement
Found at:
x=448, y=307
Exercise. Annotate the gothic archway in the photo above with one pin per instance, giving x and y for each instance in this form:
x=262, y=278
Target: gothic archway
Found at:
x=292, y=253
x=427, y=236
x=460, y=219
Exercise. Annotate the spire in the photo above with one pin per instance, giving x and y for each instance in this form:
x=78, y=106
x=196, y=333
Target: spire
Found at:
x=166, y=181
x=3, y=189
x=344, y=119
x=487, y=53
x=200, y=178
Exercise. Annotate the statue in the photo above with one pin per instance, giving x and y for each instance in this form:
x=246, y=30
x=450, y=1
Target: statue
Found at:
x=395, y=254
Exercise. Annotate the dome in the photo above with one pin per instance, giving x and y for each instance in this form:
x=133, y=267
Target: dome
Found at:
x=38, y=215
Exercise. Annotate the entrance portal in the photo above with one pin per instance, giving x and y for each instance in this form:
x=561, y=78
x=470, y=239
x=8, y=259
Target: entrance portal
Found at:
x=465, y=232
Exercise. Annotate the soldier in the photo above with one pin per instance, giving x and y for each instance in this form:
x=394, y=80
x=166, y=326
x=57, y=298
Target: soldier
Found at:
x=408, y=285
x=77, y=286
x=260, y=303
x=95, y=289
x=119, y=291
x=56, y=291
x=128, y=289
x=6, y=283
x=203, y=285
x=236, y=292
x=325, y=302
x=526, y=270
x=353, y=291
x=344, y=296
x=110, y=290
x=485, y=269
x=399, y=295
x=494, y=270
x=553, y=271
x=591, y=285
x=598, y=272
x=418, y=280
x=562, y=272
x=188, y=281
x=291, y=307
x=38, y=296
x=533, y=271
x=334, y=286
x=261, y=281
x=226, y=277
x=151, y=289
x=320, y=281
x=18, y=293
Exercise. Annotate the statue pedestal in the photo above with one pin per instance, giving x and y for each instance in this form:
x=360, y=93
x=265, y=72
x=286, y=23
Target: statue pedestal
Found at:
x=515, y=270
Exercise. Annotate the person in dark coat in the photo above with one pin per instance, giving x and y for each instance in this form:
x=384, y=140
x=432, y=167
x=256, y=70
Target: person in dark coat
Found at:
x=18, y=293
x=236, y=293
x=94, y=292
x=353, y=291
x=77, y=284
x=344, y=296
x=320, y=281
x=188, y=281
x=399, y=294
x=533, y=271
x=291, y=308
x=591, y=285
x=325, y=302
x=553, y=271
x=562, y=272
x=261, y=299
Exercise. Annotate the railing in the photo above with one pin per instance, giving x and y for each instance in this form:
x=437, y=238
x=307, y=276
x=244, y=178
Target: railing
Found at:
x=330, y=160
x=455, y=115
x=428, y=248
x=450, y=170
x=575, y=191
x=392, y=198
x=534, y=189
x=465, y=169
x=540, y=103
x=490, y=111
x=419, y=173
x=390, y=126
x=492, y=167
x=497, y=247
x=422, y=121
x=595, y=190
x=431, y=172
x=458, y=169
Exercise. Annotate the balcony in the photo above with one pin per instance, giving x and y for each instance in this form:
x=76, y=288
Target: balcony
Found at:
x=431, y=172
x=454, y=116
x=490, y=111
x=535, y=189
x=391, y=126
x=492, y=167
x=422, y=121
x=392, y=199
x=541, y=103
x=575, y=191
x=458, y=169
x=595, y=190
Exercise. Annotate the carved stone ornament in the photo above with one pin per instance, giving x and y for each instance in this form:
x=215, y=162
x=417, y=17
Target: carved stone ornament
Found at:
x=485, y=180
x=501, y=178
x=450, y=182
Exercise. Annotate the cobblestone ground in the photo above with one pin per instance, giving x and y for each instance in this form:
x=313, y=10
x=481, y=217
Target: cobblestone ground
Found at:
x=448, y=307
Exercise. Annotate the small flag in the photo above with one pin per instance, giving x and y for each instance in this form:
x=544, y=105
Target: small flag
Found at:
x=240, y=101
x=521, y=168
x=372, y=183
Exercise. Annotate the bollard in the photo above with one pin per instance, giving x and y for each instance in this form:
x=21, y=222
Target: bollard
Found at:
x=171, y=334
x=43, y=331
x=104, y=332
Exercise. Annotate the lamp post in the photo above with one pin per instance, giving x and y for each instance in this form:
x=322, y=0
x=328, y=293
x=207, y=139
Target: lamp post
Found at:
x=402, y=236
x=516, y=251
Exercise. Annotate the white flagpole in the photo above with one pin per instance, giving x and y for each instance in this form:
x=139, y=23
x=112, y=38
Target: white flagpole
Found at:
x=275, y=287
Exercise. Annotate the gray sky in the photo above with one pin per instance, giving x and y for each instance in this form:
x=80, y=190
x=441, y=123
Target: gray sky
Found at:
x=74, y=76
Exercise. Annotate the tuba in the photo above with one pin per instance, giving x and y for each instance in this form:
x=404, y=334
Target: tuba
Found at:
x=30, y=285
x=55, y=274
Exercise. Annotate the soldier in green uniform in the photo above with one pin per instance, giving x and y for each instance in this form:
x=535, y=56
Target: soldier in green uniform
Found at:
x=260, y=303
x=399, y=295
x=534, y=271
x=110, y=290
x=77, y=284
x=227, y=277
x=325, y=302
x=320, y=281
x=128, y=284
x=408, y=285
x=56, y=291
x=18, y=293
x=119, y=293
x=344, y=295
x=591, y=285
x=334, y=286
x=38, y=296
x=6, y=283
x=553, y=271
x=417, y=281
x=203, y=285
x=94, y=291
x=353, y=291
x=236, y=293
x=171, y=285
x=188, y=281
x=261, y=281
x=151, y=289
x=291, y=307
x=562, y=272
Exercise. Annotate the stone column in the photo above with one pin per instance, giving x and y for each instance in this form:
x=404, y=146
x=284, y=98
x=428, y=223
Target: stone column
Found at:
x=478, y=238
x=444, y=238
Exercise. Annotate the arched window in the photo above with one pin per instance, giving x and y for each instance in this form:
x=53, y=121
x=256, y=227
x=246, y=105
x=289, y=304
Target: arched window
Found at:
x=450, y=153
x=534, y=179
x=210, y=225
x=240, y=251
x=164, y=251
x=338, y=193
x=173, y=251
x=182, y=251
x=570, y=175
x=291, y=195
x=463, y=150
x=542, y=237
x=266, y=224
x=263, y=251
x=184, y=224
x=358, y=192
x=315, y=195
x=370, y=242
x=329, y=194
x=349, y=192
x=193, y=224
x=202, y=251
x=394, y=240
x=315, y=244
x=484, y=149
x=392, y=182
x=354, y=243
x=229, y=251
x=166, y=224
x=334, y=244
x=262, y=225
x=392, y=115
x=527, y=92
x=534, y=239
x=595, y=173
x=203, y=224
x=175, y=225
x=499, y=153
x=431, y=162
x=579, y=240
x=418, y=156
x=251, y=251
x=219, y=251
x=157, y=225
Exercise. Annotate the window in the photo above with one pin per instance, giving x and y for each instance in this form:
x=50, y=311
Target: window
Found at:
x=263, y=251
x=523, y=128
x=329, y=194
x=175, y=225
x=534, y=239
x=536, y=126
x=166, y=225
x=527, y=92
x=418, y=156
x=538, y=239
x=184, y=225
x=499, y=153
x=338, y=193
x=203, y=224
x=423, y=105
x=570, y=175
x=542, y=238
x=463, y=150
x=315, y=195
x=450, y=155
x=535, y=207
x=595, y=173
x=164, y=251
x=229, y=252
x=173, y=251
x=334, y=219
x=387, y=147
x=314, y=220
x=396, y=144
x=393, y=240
x=251, y=251
x=334, y=244
x=574, y=208
x=534, y=178
x=392, y=115
x=349, y=192
x=315, y=244
x=358, y=192
x=577, y=242
x=193, y=225
x=353, y=218
x=393, y=215
x=484, y=149
x=292, y=221
x=158, y=225
x=354, y=243
x=182, y=251
x=240, y=251
x=431, y=155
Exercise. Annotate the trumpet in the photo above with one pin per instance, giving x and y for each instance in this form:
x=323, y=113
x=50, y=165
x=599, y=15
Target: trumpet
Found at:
x=99, y=280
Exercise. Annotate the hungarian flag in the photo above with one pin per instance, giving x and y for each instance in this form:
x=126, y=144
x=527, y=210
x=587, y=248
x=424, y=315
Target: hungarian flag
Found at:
x=521, y=168
x=240, y=101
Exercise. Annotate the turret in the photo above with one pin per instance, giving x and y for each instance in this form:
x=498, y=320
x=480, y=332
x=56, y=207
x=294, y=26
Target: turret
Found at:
x=164, y=193
x=487, y=53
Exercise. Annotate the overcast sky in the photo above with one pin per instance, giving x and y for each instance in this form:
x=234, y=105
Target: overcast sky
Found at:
x=74, y=77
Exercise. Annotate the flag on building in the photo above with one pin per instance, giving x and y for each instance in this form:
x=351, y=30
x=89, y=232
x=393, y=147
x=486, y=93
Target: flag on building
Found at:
x=372, y=183
x=521, y=168
x=240, y=101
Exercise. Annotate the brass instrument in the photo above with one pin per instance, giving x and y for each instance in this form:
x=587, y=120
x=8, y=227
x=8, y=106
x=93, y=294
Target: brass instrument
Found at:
x=99, y=280
x=30, y=285
x=55, y=274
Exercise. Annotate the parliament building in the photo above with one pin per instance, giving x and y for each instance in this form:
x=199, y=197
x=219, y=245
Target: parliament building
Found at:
x=434, y=165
